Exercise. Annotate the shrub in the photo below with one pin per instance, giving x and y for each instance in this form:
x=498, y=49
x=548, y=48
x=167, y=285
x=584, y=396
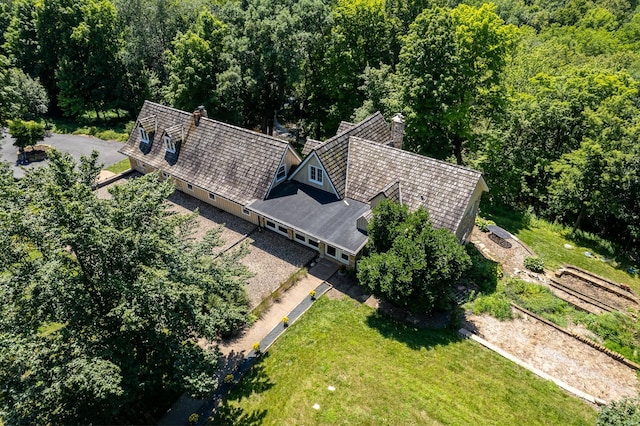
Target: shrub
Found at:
x=534, y=264
x=285, y=321
x=312, y=294
x=620, y=413
x=496, y=305
x=228, y=378
x=193, y=418
x=483, y=224
x=256, y=347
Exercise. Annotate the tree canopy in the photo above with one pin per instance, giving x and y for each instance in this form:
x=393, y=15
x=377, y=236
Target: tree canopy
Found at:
x=103, y=299
x=411, y=264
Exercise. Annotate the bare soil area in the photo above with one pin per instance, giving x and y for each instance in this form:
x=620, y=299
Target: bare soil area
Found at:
x=544, y=347
x=559, y=355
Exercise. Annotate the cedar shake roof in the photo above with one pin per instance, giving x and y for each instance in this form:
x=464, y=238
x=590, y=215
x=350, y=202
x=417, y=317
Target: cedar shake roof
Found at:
x=334, y=152
x=149, y=123
x=344, y=126
x=236, y=163
x=310, y=145
x=443, y=189
x=176, y=133
x=391, y=192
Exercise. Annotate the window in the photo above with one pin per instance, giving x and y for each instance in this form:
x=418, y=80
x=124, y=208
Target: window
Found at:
x=271, y=224
x=315, y=175
x=169, y=144
x=331, y=251
x=246, y=211
x=301, y=238
x=212, y=196
x=190, y=187
x=313, y=243
x=344, y=256
x=283, y=229
x=282, y=173
x=165, y=175
x=144, y=136
x=144, y=167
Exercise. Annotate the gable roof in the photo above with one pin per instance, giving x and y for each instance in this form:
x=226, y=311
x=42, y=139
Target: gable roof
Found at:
x=310, y=145
x=444, y=189
x=236, y=163
x=334, y=152
x=344, y=126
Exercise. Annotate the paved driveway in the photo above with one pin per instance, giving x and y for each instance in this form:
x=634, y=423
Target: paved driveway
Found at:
x=74, y=145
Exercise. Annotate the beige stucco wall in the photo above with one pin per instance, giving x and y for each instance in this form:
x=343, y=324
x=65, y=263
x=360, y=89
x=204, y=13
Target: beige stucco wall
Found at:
x=303, y=175
x=468, y=220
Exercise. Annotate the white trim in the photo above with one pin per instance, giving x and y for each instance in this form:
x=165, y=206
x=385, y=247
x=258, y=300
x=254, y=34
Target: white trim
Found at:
x=169, y=144
x=326, y=251
x=246, y=211
x=307, y=159
x=189, y=186
x=144, y=136
x=282, y=166
x=212, y=196
x=318, y=172
x=166, y=175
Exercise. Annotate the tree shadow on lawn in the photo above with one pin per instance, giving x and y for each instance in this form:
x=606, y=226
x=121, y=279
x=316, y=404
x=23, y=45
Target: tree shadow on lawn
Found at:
x=254, y=380
x=415, y=338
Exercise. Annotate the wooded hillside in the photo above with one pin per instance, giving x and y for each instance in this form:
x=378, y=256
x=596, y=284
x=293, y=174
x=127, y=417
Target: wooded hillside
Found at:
x=540, y=95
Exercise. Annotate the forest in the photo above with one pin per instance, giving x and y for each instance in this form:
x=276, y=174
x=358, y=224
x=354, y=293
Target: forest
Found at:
x=540, y=95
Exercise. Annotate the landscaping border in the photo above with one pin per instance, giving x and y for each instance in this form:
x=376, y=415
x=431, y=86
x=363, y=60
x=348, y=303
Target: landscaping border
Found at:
x=583, y=395
x=614, y=355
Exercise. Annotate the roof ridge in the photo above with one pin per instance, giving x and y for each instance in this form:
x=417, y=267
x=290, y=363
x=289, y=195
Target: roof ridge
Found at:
x=355, y=126
x=415, y=155
x=232, y=126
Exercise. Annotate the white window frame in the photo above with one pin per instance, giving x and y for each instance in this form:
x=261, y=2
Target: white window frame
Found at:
x=246, y=211
x=169, y=144
x=165, y=175
x=281, y=170
x=316, y=175
x=326, y=251
x=144, y=136
x=212, y=196
x=342, y=259
x=189, y=187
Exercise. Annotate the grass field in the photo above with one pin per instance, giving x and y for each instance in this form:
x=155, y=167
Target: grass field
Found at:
x=386, y=373
x=547, y=240
x=120, y=166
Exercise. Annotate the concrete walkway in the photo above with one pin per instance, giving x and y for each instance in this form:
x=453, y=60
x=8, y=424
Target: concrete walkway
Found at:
x=237, y=353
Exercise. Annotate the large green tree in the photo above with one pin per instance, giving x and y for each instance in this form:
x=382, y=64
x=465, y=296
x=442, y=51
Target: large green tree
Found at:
x=194, y=64
x=411, y=264
x=103, y=299
x=449, y=76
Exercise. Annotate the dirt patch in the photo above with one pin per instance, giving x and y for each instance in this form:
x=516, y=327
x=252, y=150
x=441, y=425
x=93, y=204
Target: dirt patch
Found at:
x=510, y=253
x=559, y=355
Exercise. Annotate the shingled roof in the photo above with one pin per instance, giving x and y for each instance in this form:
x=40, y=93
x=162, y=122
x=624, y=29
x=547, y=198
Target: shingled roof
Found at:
x=334, y=152
x=310, y=145
x=444, y=189
x=236, y=163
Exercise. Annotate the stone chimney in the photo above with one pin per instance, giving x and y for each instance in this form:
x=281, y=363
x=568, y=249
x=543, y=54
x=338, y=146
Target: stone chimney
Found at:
x=198, y=114
x=397, y=130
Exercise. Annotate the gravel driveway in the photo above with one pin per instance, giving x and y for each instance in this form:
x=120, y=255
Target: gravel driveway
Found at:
x=272, y=258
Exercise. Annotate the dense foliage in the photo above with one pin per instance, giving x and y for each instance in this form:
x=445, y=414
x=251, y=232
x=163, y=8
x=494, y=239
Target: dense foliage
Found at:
x=103, y=299
x=541, y=96
x=411, y=264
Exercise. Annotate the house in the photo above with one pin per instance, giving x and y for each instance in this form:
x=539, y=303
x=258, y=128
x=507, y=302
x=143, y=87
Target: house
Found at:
x=324, y=201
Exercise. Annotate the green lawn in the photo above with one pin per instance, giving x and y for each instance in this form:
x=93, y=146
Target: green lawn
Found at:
x=547, y=240
x=120, y=166
x=386, y=373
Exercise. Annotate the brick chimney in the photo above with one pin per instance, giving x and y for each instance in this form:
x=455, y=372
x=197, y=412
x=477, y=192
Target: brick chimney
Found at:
x=397, y=131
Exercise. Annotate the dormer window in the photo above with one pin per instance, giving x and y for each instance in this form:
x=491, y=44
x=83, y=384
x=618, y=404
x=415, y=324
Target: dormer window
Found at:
x=169, y=144
x=282, y=173
x=144, y=136
x=315, y=175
